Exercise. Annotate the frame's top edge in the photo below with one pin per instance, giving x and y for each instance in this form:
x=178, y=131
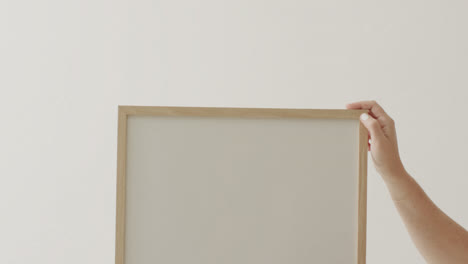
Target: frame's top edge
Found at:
x=240, y=112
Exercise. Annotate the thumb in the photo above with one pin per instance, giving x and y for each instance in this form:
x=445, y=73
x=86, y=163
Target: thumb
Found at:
x=373, y=126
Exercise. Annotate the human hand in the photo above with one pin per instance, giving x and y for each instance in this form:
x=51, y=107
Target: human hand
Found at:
x=383, y=140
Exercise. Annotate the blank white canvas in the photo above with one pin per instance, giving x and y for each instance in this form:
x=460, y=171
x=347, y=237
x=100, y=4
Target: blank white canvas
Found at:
x=205, y=190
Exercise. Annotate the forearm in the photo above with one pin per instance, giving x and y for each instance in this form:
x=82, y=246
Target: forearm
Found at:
x=437, y=237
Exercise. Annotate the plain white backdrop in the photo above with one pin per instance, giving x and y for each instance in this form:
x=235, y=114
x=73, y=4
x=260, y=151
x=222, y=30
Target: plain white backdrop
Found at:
x=66, y=65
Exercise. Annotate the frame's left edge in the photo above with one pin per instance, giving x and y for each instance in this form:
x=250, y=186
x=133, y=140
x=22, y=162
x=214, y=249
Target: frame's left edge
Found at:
x=121, y=179
x=362, y=200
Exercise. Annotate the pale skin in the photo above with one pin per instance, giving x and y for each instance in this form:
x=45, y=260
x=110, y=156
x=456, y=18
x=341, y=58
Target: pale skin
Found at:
x=439, y=239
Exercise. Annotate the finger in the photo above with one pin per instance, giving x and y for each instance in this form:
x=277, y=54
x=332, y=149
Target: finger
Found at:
x=375, y=130
x=373, y=106
x=375, y=110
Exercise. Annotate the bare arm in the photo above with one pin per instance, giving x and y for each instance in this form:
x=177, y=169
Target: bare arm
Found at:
x=438, y=238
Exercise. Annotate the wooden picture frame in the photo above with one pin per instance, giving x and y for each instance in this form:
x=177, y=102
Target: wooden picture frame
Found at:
x=124, y=112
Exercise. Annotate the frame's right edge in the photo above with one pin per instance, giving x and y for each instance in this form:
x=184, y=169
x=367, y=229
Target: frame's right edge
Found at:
x=362, y=201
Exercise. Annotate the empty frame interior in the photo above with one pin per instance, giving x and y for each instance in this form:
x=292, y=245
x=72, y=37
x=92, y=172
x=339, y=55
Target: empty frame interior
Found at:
x=237, y=185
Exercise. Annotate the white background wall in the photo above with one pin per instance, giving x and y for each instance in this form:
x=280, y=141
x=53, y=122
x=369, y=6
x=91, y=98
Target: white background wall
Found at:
x=66, y=65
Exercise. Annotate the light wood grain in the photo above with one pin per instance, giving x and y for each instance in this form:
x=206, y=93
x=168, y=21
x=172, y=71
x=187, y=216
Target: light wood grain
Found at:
x=121, y=187
x=362, y=202
x=241, y=112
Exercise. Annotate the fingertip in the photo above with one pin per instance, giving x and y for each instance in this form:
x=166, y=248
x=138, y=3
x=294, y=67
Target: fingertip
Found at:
x=364, y=116
x=372, y=125
x=355, y=105
x=351, y=105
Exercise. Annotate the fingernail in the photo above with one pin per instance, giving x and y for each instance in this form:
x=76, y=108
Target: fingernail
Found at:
x=364, y=117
